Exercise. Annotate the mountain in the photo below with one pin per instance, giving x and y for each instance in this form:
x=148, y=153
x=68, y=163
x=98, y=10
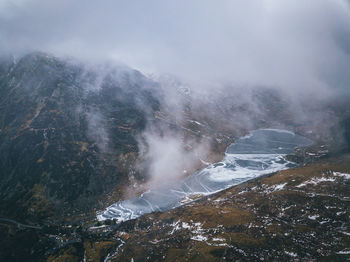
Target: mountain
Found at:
x=67, y=133
x=77, y=137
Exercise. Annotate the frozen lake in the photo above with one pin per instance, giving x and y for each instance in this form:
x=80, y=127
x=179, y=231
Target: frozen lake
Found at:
x=259, y=153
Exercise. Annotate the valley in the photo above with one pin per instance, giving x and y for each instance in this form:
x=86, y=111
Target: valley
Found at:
x=84, y=150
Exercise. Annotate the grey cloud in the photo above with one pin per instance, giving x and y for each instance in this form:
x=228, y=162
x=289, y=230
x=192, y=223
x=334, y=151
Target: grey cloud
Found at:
x=167, y=156
x=295, y=45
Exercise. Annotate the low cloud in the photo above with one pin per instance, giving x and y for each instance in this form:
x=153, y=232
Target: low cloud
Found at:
x=166, y=156
x=214, y=50
x=298, y=46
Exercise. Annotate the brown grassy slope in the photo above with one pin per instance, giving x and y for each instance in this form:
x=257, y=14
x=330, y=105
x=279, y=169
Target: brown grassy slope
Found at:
x=275, y=218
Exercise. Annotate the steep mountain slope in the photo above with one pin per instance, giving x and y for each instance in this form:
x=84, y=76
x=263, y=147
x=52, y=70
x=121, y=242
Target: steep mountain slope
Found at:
x=65, y=132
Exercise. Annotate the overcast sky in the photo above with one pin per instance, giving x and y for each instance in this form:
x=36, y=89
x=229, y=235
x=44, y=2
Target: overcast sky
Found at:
x=293, y=44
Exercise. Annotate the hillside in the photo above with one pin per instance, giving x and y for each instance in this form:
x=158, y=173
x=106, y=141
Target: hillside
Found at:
x=300, y=214
x=67, y=134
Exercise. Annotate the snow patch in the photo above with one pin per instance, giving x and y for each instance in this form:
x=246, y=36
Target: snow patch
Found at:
x=314, y=217
x=292, y=254
x=199, y=238
x=344, y=252
x=218, y=239
x=186, y=225
x=279, y=187
x=220, y=200
x=344, y=175
x=315, y=181
x=176, y=226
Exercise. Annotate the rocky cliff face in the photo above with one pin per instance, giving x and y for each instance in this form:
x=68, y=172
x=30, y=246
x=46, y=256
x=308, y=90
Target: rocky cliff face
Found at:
x=67, y=132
